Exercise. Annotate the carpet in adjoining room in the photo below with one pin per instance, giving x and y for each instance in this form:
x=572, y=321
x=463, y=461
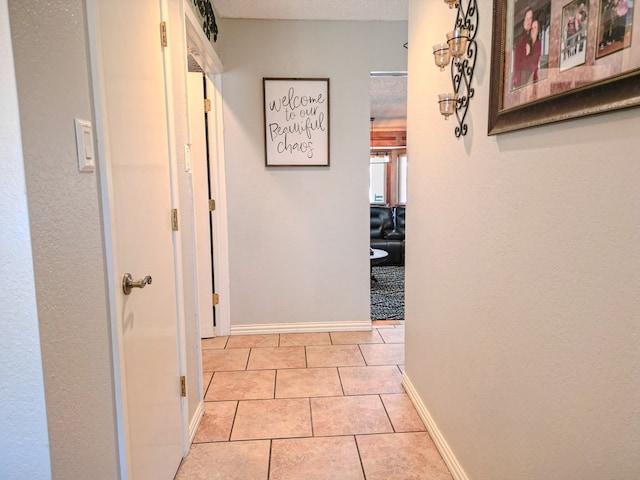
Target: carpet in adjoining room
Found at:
x=387, y=294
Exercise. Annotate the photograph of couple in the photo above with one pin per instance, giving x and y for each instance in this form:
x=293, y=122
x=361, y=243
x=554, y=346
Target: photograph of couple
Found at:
x=531, y=44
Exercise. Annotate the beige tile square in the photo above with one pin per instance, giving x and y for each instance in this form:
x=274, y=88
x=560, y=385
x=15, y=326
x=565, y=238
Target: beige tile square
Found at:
x=401, y=456
x=392, y=335
x=280, y=418
x=277, y=357
x=308, y=382
x=315, y=459
x=242, y=385
x=384, y=354
x=334, y=356
x=402, y=413
x=206, y=380
x=251, y=341
x=217, y=360
x=226, y=460
x=214, y=343
x=303, y=339
x=371, y=380
x=216, y=422
x=349, y=416
x=354, y=338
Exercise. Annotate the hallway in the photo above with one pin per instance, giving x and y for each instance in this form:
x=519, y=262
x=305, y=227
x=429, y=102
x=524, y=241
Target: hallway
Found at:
x=309, y=406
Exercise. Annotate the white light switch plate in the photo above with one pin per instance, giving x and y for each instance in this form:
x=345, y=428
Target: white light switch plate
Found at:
x=84, y=142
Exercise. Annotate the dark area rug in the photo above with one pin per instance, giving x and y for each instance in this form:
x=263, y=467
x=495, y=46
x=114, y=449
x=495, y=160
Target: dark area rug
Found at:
x=387, y=294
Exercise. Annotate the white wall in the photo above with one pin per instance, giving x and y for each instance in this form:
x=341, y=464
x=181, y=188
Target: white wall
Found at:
x=24, y=441
x=52, y=71
x=298, y=237
x=523, y=267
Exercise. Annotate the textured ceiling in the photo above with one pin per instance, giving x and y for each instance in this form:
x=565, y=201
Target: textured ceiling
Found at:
x=389, y=102
x=388, y=93
x=366, y=10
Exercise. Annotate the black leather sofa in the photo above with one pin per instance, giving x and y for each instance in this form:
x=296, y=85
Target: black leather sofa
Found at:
x=388, y=232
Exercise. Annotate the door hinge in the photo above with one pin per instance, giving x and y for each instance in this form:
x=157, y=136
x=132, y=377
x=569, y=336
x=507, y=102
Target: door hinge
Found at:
x=207, y=105
x=215, y=298
x=163, y=34
x=212, y=205
x=174, y=219
x=183, y=386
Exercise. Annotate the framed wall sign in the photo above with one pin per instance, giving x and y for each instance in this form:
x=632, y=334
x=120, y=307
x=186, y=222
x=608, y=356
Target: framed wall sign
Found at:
x=296, y=122
x=554, y=60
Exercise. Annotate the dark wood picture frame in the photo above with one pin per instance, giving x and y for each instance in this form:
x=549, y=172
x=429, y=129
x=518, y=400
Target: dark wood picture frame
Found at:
x=602, y=84
x=296, y=122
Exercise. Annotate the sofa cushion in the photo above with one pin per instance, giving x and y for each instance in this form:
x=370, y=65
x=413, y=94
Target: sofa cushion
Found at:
x=393, y=235
x=381, y=219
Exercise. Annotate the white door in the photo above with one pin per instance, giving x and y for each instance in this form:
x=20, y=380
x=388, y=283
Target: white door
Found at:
x=131, y=102
x=202, y=223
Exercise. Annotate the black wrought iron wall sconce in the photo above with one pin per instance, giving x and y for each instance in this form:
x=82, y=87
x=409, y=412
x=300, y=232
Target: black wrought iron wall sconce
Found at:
x=209, y=25
x=461, y=50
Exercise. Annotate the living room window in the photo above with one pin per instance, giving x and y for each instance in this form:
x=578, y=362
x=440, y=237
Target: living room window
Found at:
x=402, y=179
x=378, y=178
x=388, y=177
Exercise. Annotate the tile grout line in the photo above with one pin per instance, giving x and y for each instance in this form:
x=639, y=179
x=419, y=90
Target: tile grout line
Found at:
x=393, y=427
x=275, y=383
x=340, y=380
x=311, y=418
x=246, y=365
x=364, y=359
x=355, y=439
x=233, y=422
x=269, y=462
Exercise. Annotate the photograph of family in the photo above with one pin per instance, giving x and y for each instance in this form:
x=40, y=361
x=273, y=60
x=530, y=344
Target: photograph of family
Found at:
x=614, y=27
x=573, y=49
x=555, y=46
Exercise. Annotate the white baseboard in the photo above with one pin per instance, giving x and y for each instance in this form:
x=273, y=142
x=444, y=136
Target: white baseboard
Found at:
x=441, y=444
x=195, y=422
x=302, y=327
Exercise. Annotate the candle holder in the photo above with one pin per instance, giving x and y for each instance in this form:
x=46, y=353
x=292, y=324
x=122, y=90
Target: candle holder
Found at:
x=461, y=49
x=457, y=41
x=448, y=104
x=442, y=55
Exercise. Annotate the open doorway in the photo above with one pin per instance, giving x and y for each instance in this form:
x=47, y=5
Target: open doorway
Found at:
x=388, y=167
x=207, y=187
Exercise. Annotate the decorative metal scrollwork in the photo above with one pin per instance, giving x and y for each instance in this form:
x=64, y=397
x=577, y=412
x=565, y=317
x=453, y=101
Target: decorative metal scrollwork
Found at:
x=462, y=68
x=209, y=25
x=461, y=49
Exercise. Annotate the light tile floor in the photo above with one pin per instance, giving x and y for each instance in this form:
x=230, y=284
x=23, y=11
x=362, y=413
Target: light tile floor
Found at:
x=309, y=406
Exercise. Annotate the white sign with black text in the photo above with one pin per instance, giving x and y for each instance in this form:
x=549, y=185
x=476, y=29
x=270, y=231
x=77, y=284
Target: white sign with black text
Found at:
x=296, y=121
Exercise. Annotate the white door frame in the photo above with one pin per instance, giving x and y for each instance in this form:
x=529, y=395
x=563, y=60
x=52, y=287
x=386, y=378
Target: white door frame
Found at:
x=219, y=189
x=212, y=67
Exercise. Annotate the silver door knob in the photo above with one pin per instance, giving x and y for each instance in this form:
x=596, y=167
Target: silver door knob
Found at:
x=128, y=283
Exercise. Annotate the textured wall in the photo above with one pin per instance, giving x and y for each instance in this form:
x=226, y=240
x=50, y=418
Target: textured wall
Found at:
x=23, y=422
x=523, y=274
x=52, y=73
x=298, y=237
